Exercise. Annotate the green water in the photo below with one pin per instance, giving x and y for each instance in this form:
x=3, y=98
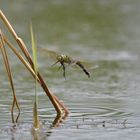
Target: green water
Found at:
x=103, y=32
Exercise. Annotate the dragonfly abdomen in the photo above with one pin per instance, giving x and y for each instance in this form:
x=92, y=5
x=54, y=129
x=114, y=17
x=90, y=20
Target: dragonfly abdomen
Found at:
x=83, y=68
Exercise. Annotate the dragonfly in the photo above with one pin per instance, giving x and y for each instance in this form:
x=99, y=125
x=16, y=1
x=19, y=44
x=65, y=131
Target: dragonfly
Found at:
x=64, y=60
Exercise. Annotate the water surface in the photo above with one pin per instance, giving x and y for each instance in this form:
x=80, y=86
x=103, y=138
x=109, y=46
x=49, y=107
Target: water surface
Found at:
x=104, y=32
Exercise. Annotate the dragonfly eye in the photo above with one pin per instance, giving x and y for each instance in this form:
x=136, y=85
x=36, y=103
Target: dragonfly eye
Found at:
x=66, y=58
x=59, y=58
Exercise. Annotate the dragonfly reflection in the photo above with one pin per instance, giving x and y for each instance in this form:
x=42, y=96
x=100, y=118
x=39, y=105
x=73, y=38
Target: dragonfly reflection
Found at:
x=65, y=59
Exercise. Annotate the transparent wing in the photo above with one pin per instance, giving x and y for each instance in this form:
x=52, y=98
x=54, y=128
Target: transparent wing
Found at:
x=87, y=65
x=48, y=53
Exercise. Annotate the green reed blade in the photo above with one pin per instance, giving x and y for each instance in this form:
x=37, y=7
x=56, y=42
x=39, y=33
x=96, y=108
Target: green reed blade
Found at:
x=34, y=51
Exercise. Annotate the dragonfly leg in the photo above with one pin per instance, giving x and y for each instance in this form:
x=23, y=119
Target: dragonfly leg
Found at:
x=54, y=63
x=64, y=69
x=60, y=67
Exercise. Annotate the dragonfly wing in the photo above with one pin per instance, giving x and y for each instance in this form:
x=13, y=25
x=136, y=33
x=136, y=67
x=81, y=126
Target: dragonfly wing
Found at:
x=87, y=65
x=48, y=53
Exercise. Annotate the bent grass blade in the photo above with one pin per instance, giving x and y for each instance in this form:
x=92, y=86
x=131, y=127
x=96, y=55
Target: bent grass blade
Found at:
x=9, y=73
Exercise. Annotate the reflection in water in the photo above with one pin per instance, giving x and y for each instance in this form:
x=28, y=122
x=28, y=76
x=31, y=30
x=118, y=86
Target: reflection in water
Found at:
x=38, y=134
x=21, y=130
x=26, y=130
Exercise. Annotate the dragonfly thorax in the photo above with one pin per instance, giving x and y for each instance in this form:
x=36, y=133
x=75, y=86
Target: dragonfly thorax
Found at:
x=64, y=58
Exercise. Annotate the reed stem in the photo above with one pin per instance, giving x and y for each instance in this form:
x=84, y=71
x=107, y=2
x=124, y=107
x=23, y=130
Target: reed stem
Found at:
x=9, y=73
